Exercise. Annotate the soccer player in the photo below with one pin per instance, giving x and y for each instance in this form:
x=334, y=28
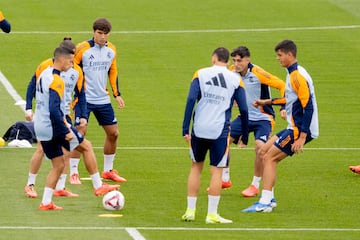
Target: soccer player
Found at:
x=302, y=118
x=4, y=24
x=55, y=133
x=97, y=58
x=214, y=89
x=74, y=84
x=261, y=120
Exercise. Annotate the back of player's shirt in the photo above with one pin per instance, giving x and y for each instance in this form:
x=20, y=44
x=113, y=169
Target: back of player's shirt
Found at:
x=217, y=86
x=43, y=124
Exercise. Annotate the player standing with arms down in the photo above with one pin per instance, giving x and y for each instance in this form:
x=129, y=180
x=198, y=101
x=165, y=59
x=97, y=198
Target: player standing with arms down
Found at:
x=214, y=89
x=97, y=58
x=302, y=118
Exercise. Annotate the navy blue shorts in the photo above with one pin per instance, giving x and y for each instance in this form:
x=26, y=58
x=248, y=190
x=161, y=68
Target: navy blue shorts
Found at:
x=104, y=114
x=286, y=139
x=218, y=148
x=53, y=148
x=262, y=129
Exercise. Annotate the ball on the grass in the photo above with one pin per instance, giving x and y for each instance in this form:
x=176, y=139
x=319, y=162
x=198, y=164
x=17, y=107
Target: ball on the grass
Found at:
x=113, y=200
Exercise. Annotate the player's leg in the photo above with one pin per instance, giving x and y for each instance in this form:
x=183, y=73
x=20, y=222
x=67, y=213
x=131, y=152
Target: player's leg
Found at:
x=106, y=118
x=262, y=131
x=85, y=148
x=198, y=149
x=236, y=132
x=219, y=151
x=34, y=167
x=60, y=189
x=53, y=151
x=75, y=155
x=271, y=153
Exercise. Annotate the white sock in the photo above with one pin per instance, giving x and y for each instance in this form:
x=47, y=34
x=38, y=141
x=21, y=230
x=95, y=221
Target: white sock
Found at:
x=47, y=196
x=272, y=193
x=266, y=197
x=96, y=180
x=108, y=162
x=256, y=181
x=31, y=179
x=74, y=166
x=213, y=203
x=191, y=202
x=61, y=182
x=226, y=174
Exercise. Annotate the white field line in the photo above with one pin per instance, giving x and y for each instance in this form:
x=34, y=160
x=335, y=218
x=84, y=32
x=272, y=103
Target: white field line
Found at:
x=201, y=30
x=134, y=233
x=184, y=229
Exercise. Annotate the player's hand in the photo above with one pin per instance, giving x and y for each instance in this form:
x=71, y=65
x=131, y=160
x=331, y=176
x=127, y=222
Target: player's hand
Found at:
x=298, y=145
x=83, y=122
x=187, y=137
x=283, y=114
x=29, y=115
x=69, y=136
x=121, y=102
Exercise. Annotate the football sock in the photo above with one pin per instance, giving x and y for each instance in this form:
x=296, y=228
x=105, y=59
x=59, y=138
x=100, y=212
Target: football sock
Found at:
x=96, y=180
x=191, y=202
x=31, y=179
x=213, y=203
x=266, y=197
x=61, y=182
x=226, y=174
x=74, y=165
x=47, y=196
x=108, y=162
x=256, y=181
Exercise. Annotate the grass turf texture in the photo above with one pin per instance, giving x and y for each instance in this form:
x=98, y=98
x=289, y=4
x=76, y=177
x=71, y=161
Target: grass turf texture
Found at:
x=314, y=190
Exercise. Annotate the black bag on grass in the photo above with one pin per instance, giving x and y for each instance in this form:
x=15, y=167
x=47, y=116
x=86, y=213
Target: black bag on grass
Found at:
x=21, y=130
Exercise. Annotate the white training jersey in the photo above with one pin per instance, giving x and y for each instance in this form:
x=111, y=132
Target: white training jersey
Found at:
x=217, y=86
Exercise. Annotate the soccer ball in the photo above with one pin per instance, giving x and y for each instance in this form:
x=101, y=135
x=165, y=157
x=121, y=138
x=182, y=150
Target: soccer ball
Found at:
x=113, y=200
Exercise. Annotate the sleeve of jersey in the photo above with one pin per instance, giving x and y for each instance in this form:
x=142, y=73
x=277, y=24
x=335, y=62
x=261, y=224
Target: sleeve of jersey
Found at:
x=56, y=90
x=30, y=92
x=240, y=98
x=301, y=87
x=79, y=96
x=269, y=79
x=80, y=49
x=194, y=94
x=113, y=74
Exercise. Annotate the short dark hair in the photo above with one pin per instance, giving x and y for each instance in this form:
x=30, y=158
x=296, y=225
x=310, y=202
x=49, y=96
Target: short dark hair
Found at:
x=102, y=24
x=242, y=51
x=62, y=51
x=222, y=54
x=287, y=46
x=67, y=43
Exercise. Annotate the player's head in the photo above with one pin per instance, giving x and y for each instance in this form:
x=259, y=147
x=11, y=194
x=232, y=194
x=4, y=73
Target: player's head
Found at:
x=67, y=43
x=286, y=53
x=102, y=24
x=64, y=58
x=221, y=54
x=241, y=59
x=286, y=46
x=102, y=28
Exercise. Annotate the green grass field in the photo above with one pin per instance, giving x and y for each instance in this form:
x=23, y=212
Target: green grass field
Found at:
x=160, y=45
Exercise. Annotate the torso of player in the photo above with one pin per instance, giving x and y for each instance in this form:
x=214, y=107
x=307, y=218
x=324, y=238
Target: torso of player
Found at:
x=293, y=107
x=96, y=62
x=253, y=92
x=217, y=86
x=70, y=78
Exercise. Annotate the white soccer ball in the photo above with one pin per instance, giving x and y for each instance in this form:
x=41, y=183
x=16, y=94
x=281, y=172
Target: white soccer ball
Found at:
x=113, y=200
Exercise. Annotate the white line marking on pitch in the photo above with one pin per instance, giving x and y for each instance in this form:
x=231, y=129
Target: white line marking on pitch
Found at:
x=135, y=234
x=201, y=30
